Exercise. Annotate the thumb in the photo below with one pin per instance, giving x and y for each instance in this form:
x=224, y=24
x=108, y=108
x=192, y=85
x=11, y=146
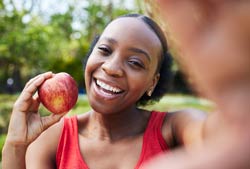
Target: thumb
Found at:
x=50, y=120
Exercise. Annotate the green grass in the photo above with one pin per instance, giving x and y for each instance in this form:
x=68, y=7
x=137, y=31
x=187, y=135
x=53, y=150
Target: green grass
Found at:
x=2, y=140
x=81, y=106
x=167, y=103
x=176, y=102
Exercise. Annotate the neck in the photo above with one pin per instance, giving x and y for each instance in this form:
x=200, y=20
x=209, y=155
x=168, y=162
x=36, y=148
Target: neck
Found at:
x=116, y=126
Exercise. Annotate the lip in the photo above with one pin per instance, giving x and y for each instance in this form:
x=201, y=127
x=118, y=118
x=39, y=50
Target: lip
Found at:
x=105, y=94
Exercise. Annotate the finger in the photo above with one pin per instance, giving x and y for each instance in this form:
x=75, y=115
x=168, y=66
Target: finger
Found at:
x=36, y=103
x=33, y=85
x=46, y=75
x=31, y=81
x=26, y=106
x=50, y=120
x=25, y=100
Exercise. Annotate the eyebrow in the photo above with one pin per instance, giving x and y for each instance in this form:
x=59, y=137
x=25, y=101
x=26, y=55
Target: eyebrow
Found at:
x=110, y=40
x=140, y=51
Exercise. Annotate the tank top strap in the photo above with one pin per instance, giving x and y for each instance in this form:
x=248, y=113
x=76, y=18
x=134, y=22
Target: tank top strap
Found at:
x=153, y=141
x=154, y=129
x=156, y=121
x=68, y=154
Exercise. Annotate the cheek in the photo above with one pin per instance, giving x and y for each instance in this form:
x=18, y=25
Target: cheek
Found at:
x=92, y=63
x=91, y=66
x=138, y=83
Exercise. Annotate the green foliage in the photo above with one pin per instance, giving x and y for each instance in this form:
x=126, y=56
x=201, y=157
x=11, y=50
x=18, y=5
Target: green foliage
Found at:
x=6, y=103
x=99, y=15
x=35, y=45
x=2, y=140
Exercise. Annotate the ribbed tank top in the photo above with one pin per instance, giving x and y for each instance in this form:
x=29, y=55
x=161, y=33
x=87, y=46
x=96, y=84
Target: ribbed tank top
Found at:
x=68, y=152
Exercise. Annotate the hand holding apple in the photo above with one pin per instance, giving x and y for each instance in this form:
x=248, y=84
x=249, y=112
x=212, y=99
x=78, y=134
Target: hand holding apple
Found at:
x=59, y=94
x=26, y=124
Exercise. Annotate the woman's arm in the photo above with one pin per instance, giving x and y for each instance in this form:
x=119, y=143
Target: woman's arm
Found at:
x=13, y=156
x=212, y=38
x=42, y=152
x=26, y=124
x=188, y=127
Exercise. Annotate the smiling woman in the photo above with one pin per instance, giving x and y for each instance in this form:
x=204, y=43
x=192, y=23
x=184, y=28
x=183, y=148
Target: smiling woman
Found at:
x=128, y=65
x=164, y=61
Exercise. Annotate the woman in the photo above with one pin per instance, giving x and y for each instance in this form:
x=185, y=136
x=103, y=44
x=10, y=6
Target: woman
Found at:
x=128, y=65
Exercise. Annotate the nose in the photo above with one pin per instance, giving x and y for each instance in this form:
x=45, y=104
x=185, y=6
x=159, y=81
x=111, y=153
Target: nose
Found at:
x=113, y=67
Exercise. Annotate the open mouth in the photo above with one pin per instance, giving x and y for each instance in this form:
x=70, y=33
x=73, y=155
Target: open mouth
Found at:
x=107, y=88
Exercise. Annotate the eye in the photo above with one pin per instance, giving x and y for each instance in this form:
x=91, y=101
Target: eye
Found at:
x=105, y=50
x=136, y=63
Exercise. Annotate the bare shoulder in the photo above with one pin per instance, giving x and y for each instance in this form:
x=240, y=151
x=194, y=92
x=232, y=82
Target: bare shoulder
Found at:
x=189, y=114
x=183, y=126
x=42, y=152
x=181, y=117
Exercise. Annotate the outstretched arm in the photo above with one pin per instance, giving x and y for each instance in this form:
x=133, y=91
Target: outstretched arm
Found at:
x=212, y=41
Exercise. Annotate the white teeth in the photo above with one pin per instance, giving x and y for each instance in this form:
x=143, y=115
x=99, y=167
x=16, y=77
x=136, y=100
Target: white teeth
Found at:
x=107, y=87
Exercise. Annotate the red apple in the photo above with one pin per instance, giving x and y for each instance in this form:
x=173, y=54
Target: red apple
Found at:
x=59, y=93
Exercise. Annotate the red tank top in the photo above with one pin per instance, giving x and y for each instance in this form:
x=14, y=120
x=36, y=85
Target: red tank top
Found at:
x=69, y=156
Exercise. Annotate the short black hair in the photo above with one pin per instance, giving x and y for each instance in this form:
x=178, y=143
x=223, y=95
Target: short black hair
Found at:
x=164, y=66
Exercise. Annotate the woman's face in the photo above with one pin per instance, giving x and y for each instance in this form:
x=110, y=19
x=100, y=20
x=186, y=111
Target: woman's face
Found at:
x=122, y=65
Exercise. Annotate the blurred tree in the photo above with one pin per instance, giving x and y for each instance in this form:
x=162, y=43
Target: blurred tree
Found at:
x=1, y=4
x=32, y=42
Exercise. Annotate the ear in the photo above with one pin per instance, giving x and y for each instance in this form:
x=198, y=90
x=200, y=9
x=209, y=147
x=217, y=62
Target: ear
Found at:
x=153, y=84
